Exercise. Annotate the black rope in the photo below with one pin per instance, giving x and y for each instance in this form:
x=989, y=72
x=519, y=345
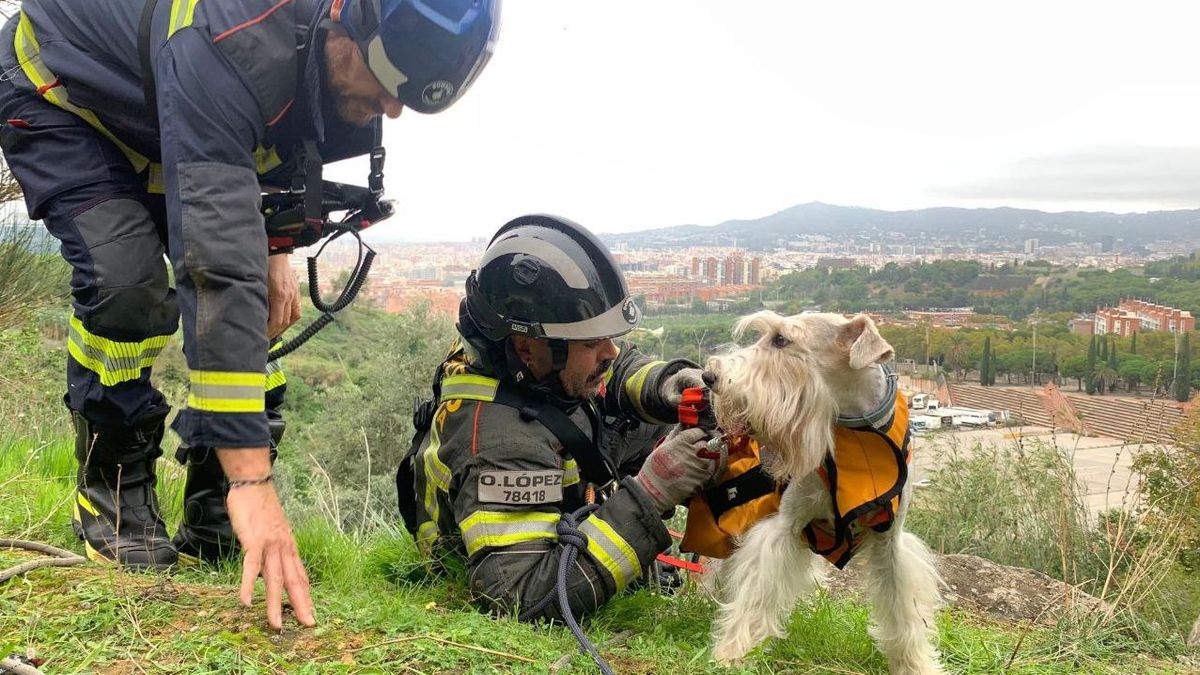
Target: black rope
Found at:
x=573, y=541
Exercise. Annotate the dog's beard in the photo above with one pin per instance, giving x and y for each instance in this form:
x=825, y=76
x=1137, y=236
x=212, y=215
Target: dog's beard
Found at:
x=775, y=398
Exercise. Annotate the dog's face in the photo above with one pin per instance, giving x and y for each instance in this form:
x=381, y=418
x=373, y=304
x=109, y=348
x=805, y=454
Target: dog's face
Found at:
x=784, y=388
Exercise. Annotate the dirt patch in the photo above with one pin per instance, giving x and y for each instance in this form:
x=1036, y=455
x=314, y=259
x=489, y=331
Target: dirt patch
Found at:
x=989, y=589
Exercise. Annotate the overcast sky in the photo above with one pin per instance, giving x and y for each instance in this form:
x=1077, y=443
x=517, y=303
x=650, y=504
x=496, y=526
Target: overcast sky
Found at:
x=628, y=114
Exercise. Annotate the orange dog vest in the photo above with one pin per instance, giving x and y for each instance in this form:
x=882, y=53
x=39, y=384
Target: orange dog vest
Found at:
x=865, y=476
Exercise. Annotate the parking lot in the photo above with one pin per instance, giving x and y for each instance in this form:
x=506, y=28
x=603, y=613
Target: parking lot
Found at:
x=1103, y=465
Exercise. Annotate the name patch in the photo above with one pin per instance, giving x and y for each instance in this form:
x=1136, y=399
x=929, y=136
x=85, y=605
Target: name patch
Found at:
x=521, y=487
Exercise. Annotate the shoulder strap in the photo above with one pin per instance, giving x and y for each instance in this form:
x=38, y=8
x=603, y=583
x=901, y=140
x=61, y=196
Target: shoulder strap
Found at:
x=144, y=56
x=586, y=452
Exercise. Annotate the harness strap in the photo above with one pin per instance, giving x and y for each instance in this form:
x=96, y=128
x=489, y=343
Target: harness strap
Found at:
x=592, y=462
x=144, y=56
x=739, y=490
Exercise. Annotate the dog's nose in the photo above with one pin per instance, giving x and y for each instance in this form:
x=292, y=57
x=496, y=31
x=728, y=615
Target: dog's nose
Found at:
x=709, y=377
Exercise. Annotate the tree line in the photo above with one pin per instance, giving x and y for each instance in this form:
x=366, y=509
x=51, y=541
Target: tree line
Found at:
x=1013, y=290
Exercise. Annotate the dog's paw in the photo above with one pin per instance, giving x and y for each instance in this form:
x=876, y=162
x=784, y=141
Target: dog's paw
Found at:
x=729, y=653
x=915, y=667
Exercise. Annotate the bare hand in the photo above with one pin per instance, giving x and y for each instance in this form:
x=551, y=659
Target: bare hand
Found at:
x=283, y=295
x=266, y=538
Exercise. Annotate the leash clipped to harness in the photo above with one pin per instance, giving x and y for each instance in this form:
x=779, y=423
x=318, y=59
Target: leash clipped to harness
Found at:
x=301, y=217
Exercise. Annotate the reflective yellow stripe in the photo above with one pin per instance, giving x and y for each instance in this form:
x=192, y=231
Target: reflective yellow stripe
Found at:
x=266, y=159
x=275, y=376
x=227, y=392
x=29, y=56
x=484, y=529
x=472, y=387
x=608, y=374
x=155, y=183
x=611, y=550
x=634, y=386
x=87, y=505
x=182, y=12
x=570, y=472
x=113, y=361
x=427, y=534
x=437, y=477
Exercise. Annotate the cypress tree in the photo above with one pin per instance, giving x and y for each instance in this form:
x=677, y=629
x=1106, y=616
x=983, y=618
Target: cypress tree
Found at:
x=1104, y=349
x=987, y=361
x=1133, y=345
x=1089, y=378
x=1183, y=378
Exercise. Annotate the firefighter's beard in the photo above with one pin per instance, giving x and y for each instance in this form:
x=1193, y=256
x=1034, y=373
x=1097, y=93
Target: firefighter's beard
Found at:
x=586, y=384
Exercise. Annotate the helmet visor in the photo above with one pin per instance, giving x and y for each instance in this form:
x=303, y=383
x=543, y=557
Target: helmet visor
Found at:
x=618, y=320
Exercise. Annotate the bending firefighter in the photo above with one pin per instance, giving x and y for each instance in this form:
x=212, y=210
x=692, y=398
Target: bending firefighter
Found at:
x=513, y=442
x=137, y=128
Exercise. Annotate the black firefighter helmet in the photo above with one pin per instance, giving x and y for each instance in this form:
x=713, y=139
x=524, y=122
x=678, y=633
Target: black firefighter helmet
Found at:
x=547, y=277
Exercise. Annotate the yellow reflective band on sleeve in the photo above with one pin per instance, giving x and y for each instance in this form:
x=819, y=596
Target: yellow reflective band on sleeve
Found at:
x=570, y=472
x=611, y=550
x=113, y=361
x=28, y=52
x=608, y=374
x=182, y=12
x=491, y=529
x=473, y=387
x=634, y=388
x=226, y=392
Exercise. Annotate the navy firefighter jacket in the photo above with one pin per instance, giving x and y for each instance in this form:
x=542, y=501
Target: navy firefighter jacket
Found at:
x=236, y=88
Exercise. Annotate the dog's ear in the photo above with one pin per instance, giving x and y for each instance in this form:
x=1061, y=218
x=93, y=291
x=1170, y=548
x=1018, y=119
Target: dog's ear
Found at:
x=863, y=341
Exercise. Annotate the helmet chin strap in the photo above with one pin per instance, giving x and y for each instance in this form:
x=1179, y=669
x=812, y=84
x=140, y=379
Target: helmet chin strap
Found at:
x=558, y=355
x=524, y=375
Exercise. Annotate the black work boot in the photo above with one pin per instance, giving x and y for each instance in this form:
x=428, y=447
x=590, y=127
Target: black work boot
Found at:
x=116, y=510
x=206, y=534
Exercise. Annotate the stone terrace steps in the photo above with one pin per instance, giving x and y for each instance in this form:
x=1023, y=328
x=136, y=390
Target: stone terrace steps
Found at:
x=1024, y=403
x=1127, y=419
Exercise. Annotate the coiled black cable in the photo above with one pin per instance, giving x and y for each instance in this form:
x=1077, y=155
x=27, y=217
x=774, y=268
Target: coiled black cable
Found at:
x=358, y=277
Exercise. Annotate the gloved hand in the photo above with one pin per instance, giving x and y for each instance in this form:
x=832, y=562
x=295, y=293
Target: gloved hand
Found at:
x=671, y=389
x=679, y=466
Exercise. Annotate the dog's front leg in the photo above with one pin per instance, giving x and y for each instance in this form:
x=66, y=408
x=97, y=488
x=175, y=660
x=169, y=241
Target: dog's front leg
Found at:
x=759, y=584
x=904, y=586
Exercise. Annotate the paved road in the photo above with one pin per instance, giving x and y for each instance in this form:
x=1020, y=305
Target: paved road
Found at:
x=1102, y=464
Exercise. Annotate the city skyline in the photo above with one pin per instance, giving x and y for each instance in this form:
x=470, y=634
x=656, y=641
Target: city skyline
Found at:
x=626, y=116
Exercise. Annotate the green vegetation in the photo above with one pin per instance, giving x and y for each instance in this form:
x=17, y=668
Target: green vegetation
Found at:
x=378, y=609
x=1008, y=290
x=350, y=396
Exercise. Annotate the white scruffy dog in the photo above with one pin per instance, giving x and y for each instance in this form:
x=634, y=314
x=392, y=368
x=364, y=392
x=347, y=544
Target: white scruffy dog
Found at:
x=786, y=390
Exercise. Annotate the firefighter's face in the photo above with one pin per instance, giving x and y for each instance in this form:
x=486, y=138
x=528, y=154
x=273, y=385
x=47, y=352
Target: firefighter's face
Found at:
x=357, y=94
x=587, y=363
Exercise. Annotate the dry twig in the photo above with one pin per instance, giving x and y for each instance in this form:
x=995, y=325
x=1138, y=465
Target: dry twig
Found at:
x=61, y=558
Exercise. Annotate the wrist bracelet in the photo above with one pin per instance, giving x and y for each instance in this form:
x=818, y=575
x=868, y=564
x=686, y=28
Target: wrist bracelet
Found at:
x=251, y=481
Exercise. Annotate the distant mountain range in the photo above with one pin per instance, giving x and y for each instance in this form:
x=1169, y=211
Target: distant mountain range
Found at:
x=943, y=224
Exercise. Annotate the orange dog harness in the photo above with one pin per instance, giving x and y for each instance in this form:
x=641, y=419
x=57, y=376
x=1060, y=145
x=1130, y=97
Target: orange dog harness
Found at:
x=865, y=476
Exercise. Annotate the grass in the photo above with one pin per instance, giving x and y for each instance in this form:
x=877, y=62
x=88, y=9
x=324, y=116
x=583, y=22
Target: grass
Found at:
x=375, y=618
